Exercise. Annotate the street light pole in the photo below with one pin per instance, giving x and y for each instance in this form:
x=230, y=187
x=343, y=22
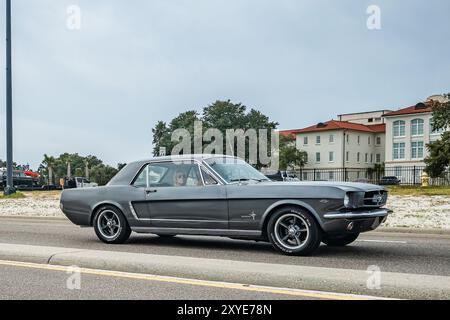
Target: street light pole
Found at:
x=9, y=141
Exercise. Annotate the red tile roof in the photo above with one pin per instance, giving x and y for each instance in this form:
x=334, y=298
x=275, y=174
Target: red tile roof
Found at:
x=424, y=108
x=339, y=125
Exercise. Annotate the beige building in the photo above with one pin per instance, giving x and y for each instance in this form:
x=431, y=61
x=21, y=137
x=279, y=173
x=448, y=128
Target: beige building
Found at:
x=408, y=131
x=354, y=142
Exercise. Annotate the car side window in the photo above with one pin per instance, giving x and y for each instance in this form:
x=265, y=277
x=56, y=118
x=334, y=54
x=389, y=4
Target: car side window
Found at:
x=150, y=174
x=209, y=179
x=185, y=175
x=169, y=174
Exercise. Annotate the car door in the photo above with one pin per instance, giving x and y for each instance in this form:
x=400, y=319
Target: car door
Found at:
x=189, y=202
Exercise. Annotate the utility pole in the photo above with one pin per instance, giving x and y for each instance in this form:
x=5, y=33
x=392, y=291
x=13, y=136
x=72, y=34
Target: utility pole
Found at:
x=9, y=132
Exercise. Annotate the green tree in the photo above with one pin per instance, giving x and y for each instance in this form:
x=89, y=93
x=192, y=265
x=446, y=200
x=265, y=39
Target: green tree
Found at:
x=49, y=163
x=101, y=174
x=56, y=168
x=221, y=115
x=290, y=156
x=439, y=151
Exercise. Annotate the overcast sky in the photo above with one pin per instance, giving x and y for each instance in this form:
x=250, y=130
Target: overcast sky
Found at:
x=99, y=90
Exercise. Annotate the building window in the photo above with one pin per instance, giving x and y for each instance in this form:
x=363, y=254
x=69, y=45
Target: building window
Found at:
x=318, y=157
x=399, y=151
x=417, y=150
x=399, y=128
x=305, y=141
x=371, y=158
x=370, y=120
x=368, y=140
x=417, y=127
x=331, y=156
x=358, y=157
x=359, y=139
x=318, y=140
x=347, y=156
x=378, y=158
x=348, y=138
x=331, y=138
x=366, y=158
x=378, y=141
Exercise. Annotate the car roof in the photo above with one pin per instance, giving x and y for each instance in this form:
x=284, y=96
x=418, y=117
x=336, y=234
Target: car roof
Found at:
x=125, y=175
x=199, y=157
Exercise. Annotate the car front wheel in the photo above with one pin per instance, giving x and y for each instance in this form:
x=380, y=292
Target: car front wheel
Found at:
x=340, y=240
x=111, y=226
x=294, y=231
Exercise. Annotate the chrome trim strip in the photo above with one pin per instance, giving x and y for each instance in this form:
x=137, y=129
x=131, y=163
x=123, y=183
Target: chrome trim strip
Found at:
x=133, y=212
x=180, y=220
x=194, y=231
x=360, y=215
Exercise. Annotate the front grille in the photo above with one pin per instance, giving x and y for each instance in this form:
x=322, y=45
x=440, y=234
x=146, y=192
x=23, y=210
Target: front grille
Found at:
x=375, y=198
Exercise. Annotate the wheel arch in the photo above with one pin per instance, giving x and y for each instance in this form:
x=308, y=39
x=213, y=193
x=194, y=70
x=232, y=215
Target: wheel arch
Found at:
x=97, y=207
x=287, y=203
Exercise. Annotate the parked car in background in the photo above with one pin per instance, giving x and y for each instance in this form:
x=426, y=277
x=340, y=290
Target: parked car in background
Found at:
x=390, y=181
x=22, y=180
x=213, y=195
x=78, y=183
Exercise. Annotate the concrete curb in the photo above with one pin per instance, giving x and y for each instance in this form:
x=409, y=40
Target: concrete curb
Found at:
x=394, y=285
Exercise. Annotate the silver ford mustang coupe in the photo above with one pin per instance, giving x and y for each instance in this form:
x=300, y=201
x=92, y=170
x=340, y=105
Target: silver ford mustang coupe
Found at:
x=224, y=196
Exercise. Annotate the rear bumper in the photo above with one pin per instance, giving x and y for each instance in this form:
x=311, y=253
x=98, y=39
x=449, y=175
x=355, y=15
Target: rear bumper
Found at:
x=359, y=215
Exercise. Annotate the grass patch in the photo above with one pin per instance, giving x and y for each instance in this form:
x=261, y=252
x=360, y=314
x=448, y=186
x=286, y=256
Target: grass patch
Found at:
x=418, y=191
x=17, y=195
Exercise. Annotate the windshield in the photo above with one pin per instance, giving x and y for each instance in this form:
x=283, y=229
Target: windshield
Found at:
x=235, y=170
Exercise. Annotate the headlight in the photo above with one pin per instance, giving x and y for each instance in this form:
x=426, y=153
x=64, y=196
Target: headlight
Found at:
x=353, y=200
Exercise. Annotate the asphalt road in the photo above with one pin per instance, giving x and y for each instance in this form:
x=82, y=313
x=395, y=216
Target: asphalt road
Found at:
x=22, y=283
x=391, y=252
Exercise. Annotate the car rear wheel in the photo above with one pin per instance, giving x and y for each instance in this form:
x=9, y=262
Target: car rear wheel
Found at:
x=294, y=231
x=111, y=226
x=340, y=240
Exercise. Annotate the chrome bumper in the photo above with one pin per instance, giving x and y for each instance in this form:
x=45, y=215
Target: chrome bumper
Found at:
x=359, y=215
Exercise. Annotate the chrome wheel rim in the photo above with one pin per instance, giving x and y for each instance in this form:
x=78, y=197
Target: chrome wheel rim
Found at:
x=292, y=231
x=108, y=224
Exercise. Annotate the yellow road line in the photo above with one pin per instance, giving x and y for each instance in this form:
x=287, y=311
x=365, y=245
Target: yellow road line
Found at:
x=194, y=282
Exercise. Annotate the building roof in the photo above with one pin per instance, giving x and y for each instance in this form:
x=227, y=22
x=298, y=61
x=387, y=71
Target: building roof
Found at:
x=418, y=108
x=364, y=112
x=338, y=125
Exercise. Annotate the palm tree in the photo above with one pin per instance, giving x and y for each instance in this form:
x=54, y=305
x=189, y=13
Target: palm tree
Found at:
x=49, y=162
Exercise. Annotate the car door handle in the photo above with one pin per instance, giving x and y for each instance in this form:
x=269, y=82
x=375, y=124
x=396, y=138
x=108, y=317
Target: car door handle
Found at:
x=151, y=191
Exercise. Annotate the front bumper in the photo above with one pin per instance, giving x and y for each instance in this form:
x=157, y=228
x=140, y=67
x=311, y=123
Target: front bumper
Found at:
x=359, y=214
x=360, y=221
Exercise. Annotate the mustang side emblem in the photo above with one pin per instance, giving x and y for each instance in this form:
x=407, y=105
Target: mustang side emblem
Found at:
x=252, y=216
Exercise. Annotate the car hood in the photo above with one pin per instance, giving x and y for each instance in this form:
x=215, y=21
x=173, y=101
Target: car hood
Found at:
x=345, y=186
